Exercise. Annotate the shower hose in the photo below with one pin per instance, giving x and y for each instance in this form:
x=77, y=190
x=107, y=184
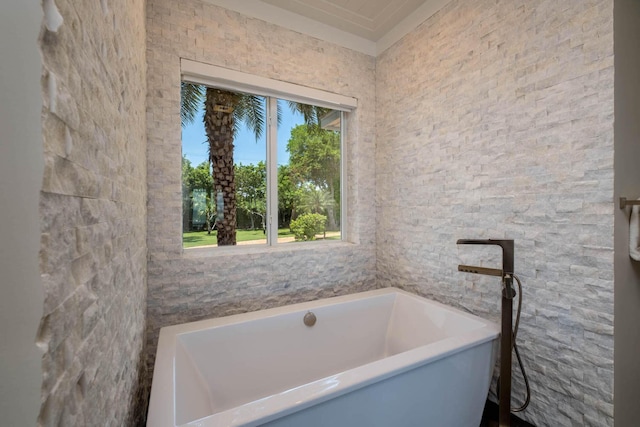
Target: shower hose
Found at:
x=515, y=348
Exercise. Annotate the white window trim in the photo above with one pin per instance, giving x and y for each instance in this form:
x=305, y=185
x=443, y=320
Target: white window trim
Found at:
x=272, y=171
x=344, y=195
x=237, y=81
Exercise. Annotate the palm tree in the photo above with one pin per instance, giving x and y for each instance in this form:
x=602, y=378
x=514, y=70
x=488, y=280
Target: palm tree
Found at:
x=224, y=111
x=316, y=200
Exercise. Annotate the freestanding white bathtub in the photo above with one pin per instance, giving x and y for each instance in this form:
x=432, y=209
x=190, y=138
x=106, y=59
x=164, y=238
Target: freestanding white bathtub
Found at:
x=382, y=358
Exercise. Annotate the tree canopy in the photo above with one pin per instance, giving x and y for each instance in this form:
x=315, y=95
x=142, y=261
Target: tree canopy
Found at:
x=315, y=167
x=315, y=155
x=251, y=191
x=197, y=186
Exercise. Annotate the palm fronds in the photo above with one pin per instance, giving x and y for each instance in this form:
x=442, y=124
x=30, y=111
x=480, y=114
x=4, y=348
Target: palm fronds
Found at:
x=250, y=110
x=192, y=96
x=310, y=113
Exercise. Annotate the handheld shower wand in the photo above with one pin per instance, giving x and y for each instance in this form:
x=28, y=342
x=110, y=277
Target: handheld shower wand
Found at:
x=506, y=335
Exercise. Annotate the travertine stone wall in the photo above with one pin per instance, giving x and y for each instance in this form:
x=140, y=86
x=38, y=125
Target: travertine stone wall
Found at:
x=495, y=120
x=93, y=213
x=186, y=286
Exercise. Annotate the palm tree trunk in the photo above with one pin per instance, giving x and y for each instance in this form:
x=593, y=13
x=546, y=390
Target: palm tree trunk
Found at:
x=218, y=123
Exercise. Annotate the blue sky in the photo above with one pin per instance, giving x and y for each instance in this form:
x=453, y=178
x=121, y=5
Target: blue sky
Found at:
x=247, y=150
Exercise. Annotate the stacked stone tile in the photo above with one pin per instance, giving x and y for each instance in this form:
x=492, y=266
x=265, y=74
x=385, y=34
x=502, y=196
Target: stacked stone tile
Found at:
x=495, y=120
x=93, y=214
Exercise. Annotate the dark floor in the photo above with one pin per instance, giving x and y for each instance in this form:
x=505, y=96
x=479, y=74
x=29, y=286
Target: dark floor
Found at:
x=490, y=417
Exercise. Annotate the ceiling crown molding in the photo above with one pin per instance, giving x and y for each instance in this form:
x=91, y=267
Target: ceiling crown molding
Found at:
x=294, y=21
x=301, y=24
x=410, y=23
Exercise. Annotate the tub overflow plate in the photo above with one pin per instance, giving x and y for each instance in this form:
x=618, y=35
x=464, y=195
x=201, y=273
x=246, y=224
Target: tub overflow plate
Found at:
x=309, y=319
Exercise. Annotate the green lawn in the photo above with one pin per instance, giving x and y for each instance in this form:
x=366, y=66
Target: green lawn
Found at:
x=201, y=238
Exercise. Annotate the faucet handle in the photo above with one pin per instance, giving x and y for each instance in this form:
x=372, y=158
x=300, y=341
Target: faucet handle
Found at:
x=508, y=291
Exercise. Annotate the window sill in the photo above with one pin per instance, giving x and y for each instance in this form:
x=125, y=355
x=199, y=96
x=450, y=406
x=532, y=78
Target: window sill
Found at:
x=214, y=251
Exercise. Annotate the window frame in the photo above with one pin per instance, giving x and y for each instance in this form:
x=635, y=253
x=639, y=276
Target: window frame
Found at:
x=274, y=90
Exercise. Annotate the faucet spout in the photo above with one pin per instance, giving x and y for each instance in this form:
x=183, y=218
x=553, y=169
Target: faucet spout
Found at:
x=505, y=244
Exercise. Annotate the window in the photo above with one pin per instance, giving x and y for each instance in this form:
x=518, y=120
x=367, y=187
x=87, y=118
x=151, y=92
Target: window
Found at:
x=259, y=167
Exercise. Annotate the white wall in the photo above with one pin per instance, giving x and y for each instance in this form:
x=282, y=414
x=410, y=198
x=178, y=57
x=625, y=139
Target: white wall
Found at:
x=21, y=166
x=627, y=184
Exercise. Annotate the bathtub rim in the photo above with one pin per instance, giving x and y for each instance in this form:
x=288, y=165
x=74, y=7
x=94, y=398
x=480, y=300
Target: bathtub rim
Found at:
x=308, y=394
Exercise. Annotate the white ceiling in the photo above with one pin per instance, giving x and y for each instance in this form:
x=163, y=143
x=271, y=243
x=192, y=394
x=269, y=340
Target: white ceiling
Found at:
x=368, y=26
x=370, y=19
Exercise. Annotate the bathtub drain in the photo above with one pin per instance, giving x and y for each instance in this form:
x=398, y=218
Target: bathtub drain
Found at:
x=309, y=319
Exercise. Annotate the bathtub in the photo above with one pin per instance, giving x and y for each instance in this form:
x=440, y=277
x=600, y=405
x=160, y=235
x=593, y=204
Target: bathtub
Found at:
x=380, y=358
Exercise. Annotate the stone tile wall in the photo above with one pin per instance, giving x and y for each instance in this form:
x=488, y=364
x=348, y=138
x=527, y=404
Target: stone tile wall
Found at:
x=93, y=213
x=187, y=286
x=495, y=120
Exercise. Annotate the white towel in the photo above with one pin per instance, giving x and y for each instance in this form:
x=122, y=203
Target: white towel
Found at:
x=634, y=230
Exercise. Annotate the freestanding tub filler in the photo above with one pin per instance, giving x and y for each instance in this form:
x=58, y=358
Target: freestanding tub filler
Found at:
x=384, y=358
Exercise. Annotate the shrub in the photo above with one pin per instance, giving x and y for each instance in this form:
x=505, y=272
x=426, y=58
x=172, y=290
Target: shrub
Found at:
x=306, y=226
